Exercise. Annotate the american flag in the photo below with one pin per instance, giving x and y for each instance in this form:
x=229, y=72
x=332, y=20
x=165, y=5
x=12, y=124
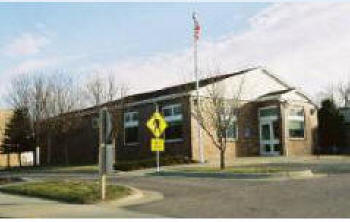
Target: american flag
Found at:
x=196, y=28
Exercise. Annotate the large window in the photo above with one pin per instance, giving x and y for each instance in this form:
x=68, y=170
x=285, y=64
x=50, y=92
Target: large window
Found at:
x=231, y=131
x=267, y=112
x=296, y=123
x=173, y=115
x=131, y=125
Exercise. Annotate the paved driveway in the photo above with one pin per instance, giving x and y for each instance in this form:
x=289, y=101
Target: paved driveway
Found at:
x=327, y=196
x=203, y=197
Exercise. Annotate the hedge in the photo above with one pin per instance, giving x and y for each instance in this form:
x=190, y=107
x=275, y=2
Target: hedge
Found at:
x=127, y=165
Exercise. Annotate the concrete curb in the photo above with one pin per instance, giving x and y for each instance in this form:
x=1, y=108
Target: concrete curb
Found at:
x=136, y=197
x=300, y=174
x=297, y=173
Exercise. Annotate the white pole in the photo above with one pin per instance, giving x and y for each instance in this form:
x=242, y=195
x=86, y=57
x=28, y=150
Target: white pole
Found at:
x=195, y=50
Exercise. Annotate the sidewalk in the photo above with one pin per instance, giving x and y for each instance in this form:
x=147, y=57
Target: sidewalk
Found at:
x=16, y=206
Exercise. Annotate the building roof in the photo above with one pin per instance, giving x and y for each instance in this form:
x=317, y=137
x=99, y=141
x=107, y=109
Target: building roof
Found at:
x=180, y=88
x=275, y=93
x=282, y=92
x=188, y=87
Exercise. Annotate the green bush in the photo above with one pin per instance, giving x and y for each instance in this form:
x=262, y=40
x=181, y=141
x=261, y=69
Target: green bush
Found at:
x=127, y=165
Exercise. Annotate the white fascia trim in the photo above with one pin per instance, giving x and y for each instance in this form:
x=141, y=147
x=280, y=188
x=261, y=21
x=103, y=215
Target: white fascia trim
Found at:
x=156, y=99
x=276, y=77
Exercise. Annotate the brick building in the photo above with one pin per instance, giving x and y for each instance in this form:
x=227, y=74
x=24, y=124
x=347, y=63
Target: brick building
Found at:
x=275, y=119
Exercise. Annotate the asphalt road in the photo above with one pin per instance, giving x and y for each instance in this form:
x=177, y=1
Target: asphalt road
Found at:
x=226, y=198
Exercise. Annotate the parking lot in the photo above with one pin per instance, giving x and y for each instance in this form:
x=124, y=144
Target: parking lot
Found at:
x=207, y=197
x=326, y=194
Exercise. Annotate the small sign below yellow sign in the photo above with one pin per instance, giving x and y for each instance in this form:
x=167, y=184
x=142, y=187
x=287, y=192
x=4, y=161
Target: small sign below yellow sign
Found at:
x=157, y=144
x=157, y=124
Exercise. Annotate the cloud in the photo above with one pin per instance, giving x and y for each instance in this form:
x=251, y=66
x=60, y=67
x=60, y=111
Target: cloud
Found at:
x=26, y=44
x=306, y=44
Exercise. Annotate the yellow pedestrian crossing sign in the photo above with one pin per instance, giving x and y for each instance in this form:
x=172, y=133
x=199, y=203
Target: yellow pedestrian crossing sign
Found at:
x=157, y=144
x=157, y=124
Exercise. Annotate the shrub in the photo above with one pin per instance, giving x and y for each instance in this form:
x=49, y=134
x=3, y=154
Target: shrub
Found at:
x=127, y=165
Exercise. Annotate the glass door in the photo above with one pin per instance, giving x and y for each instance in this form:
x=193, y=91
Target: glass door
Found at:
x=269, y=137
x=269, y=124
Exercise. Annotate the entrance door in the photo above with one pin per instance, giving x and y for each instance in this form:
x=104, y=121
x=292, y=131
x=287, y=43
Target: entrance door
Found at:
x=269, y=132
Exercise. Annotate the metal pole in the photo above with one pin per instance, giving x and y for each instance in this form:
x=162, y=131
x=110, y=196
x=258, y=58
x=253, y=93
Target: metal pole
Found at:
x=195, y=50
x=102, y=155
x=158, y=167
x=157, y=152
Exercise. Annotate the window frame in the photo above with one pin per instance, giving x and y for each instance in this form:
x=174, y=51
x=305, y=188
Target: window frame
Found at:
x=297, y=118
x=271, y=117
x=233, y=139
x=173, y=118
x=130, y=124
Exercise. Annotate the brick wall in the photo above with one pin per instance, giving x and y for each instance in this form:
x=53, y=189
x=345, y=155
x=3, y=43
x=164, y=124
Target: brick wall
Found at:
x=82, y=145
x=308, y=144
x=211, y=152
x=142, y=149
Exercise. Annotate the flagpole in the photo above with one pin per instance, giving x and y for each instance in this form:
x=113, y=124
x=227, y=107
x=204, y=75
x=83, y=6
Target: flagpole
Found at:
x=195, y=57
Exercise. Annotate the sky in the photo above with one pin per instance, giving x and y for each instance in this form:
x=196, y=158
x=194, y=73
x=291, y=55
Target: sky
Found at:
x=149, y=45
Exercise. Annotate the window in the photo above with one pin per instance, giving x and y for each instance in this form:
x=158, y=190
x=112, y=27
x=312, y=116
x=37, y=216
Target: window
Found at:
x=173, y=115
x=296, y=123
x=231, y=131
x=264, y=112
x=131, y=125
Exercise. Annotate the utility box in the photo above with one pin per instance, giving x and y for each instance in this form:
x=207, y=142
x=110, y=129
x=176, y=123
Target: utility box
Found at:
x=110, y=157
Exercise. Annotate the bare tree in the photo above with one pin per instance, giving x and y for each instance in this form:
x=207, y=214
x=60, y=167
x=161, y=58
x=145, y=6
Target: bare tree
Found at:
x=45, y=95
x=30, y=92
x=216, y=114
x=344, y=93
x=64, y=97
x=17, y=95
x=102, y=88
x=95, y=89
x=51, y=99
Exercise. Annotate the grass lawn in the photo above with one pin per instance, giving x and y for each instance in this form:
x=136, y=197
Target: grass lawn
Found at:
x=82, y=192
x=262, y=169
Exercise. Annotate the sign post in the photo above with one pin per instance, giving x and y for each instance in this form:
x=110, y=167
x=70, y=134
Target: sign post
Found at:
x=105, y=141
x=157, y=125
